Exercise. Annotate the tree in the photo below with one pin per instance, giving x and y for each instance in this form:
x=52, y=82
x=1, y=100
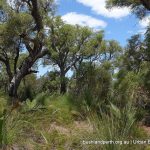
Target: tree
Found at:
x=147, y=44
x=22, y=29
x=133, y=77
x=140, y=7
x=109, y=50
x=49, y=82
x=134, y=54
x=70, y=45
x=93, y=79
x=25, y=90
x=93, y=84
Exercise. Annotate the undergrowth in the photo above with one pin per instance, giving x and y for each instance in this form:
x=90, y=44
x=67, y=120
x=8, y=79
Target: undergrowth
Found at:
x=56, y=123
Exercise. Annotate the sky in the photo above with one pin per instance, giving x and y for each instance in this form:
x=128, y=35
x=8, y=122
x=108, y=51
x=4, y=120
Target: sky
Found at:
x=118, y=23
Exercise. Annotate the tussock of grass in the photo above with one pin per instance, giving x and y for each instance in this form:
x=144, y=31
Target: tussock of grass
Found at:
x=119, y=125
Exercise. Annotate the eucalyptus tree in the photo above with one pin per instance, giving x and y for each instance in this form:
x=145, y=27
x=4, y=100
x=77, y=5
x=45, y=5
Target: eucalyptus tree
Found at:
x=134, y=71
x=137, y=52
x=134, y=54
x=109, y=50
x=22, y=24
x=70, y=45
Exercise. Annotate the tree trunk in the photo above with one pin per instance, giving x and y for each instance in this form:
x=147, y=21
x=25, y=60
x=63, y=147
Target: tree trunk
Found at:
x=63, y=88
x=63, y=84
x=24, y=70
x=13, y=87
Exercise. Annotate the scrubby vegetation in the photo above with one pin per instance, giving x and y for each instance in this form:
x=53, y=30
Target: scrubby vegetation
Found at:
x=58, y=123
x=106, y=99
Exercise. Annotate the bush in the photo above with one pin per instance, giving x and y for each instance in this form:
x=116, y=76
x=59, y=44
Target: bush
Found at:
x=93, y=86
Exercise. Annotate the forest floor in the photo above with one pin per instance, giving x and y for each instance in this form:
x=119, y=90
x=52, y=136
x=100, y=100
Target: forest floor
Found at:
x=55, y=134
x=59, y=126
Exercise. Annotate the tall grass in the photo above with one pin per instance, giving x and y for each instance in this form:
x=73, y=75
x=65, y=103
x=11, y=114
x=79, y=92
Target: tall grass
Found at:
x=118, y=125
x=33, y=130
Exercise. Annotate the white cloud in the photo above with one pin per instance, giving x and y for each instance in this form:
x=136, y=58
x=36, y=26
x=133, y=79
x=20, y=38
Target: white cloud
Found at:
x=83, y=20
x=145, y=22
x=130, y=32
x=98, y=7
x=142, y=31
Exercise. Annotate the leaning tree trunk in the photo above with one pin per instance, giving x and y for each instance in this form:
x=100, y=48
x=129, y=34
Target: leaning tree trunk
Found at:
x=24, y=70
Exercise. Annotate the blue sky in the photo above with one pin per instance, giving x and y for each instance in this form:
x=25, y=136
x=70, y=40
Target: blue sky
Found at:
x=118, y=23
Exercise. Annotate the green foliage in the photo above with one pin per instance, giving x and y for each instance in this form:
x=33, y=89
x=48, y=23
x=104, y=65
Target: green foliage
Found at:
x=56, y=126
x=27, y=85
x=40, y=98
x=62, y=107
x=133, y=55
x=127, y=88
x=110, y=50
x=1, y=130
x=93, y=85
x=38, y=102
x=3, y=103
x=48, y=83
x=132, y=80
x=59, y=106
x=107, y=94
x=69, y=46
x=21, y=21
x=30, y=105
x=119, y=125
x=138, y=7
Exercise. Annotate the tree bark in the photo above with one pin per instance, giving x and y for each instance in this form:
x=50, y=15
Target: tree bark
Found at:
x=13, y=87
x=63, y=87
x=63, y=84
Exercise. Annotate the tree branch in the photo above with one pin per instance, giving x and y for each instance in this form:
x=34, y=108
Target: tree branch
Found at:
x=8, y=69
x=30, y=71
x=146, y=4
x=36, y=15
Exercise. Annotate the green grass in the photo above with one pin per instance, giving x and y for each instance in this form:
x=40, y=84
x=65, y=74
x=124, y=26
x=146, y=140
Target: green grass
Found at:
x=53, y=126
x=119, y=125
